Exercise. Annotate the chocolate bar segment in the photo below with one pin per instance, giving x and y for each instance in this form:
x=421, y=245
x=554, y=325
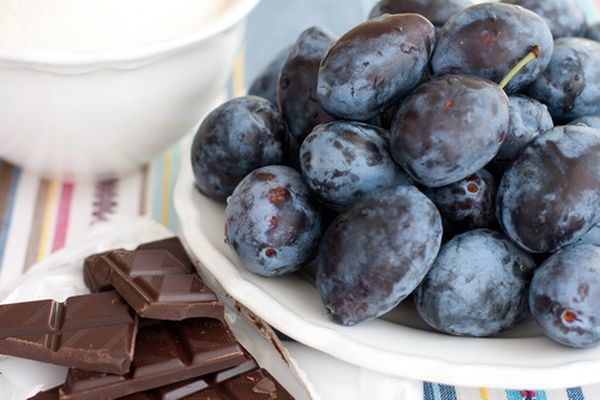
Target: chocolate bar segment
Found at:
x=159, y=283
x=246, y=382
x=166, y=352
x=94, y=331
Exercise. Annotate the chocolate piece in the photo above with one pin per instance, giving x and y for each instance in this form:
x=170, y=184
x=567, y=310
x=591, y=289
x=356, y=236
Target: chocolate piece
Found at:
x=95, y=282
x=50, y=394
x=246, y=382
x=173, y=245
x=94, y=331
x=166, y=352
x=158, y=280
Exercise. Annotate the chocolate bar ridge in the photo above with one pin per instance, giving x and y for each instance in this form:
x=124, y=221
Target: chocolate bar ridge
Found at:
x=94, y=331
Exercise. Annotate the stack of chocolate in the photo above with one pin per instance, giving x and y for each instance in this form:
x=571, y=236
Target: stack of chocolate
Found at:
x=151, y=329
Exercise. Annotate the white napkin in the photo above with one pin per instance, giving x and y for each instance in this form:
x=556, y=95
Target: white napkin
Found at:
x=58, y=277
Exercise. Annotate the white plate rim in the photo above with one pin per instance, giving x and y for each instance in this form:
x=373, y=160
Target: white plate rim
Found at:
x=401, y=365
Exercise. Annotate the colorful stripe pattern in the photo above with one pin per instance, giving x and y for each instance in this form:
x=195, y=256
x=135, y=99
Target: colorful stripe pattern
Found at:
x=38, y=217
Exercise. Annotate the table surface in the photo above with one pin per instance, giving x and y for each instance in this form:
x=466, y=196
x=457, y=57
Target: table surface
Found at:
x=38, y=216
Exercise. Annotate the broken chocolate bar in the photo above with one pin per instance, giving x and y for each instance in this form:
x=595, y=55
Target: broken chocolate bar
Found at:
x=95, y=332
x=245, y=382
x=166, y=352
x=157, y=279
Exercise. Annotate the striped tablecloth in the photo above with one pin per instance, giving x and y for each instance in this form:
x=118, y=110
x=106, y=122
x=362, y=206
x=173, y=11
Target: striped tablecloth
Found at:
x=38, y=216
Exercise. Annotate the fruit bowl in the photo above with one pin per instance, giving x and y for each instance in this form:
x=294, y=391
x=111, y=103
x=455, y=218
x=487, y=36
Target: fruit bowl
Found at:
x=398, y=344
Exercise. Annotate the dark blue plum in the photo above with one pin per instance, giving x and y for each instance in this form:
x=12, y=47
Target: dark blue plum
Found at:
x=563, y=17
x=374, y=65
x=437, y=11
x=549, y=196
x=528, y=118
x=376, y=253
x=298, y=84
x=239, y=136
x=570, y=87
x=272, y=223
x=265, y=85
x=467, y=204
x=564, y=296
x=342, y=161
x=591, y=121
x=593, y=32
x=487, y=40
x=478, y=285
x=449, y=128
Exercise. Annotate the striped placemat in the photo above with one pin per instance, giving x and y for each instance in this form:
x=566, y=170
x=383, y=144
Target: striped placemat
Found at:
x=38, y=216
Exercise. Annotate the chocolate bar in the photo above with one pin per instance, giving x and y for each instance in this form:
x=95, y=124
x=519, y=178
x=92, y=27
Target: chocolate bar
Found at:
x=95, y=332
x=245, y=382
x=158, y=280
x=166, y=352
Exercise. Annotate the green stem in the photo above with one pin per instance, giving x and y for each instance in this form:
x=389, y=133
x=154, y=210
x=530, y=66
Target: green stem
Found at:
x=535, y=53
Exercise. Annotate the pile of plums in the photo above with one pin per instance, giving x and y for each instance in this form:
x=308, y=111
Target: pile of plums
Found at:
x=440, y=149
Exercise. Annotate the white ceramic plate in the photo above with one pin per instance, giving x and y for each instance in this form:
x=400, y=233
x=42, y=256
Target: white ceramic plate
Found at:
x=405, y=348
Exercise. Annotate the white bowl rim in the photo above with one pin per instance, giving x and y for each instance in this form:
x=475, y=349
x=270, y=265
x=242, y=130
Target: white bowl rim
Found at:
x=236, y=11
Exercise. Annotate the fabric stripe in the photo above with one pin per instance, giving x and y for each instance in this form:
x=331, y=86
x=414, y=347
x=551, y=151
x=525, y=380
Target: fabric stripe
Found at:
x=166, y=178
x=128, y=195
x=428, y=391
x=62, y=220
x=20, y=228
x=144, y=191
x=513, y=395
x=447, y=392
x=47, y=220
x=80, y=212
x=9, y=181
x=104, y=199
x=36, y=224
x=238, y=84
x=175, y=167
x=156, y=188
x=483, y=394
x=575, y=394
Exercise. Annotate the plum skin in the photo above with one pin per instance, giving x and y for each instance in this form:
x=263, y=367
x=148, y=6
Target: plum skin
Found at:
x=548, y=197
x=237, y=137
x=376, y=253
x=375, y=64
x=478, y=285
x=437, y=138
x=272, y=222
x=564, y=296
x=488, y=39
x=570, y=86
x=342, y=161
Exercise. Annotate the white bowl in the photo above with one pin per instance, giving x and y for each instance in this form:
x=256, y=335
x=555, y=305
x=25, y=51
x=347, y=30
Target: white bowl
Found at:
x=81, y=115
x=406, y=348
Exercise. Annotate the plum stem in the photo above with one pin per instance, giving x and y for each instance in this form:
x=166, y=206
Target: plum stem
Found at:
x=535, y=53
